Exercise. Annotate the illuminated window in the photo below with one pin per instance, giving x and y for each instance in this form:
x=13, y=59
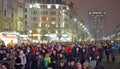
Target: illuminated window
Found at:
x=53, y=19
x=52, y=1
x=43, y=1
x=57, y=6
x=48, y=6
x=34, y=18
x=40, y=24
x=56, y=25
x=34, y=12
x=25, y=16
x=21, y=1
x=39, y=1
x=44, y=18
x=64, y=7
x=53, y=13
x=48, y=1
x=53, y=7
x=43, y=6
x=44, y=12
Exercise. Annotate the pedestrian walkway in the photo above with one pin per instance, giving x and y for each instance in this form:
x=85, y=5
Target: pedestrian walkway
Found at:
x=111, y=65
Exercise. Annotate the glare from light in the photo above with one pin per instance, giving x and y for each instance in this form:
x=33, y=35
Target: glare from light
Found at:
x=57, y=6
x=81, y=24
x=63, y=24
x=37, y=5
x=48, y=6
x=75, y=19
x=53, y=22
x=30, y=6
x=63, y=10
x=56, y=25
x=40, y=24
x=63, y=14
x=30, y=31
x=85, y=29
x=67, y=8
x=56, y=32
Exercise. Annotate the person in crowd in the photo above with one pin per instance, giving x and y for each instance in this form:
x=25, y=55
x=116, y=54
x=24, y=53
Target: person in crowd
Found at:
x=18, y=62
x=28, y=58
x=12, y=58
x=23, y=59
x=40, y=62
x=92, y=64
x=94, y=54
x=78, y=66
x=34, y=60
x=86, y=65
x=88, y=50
x=47, y=60
x=53, y=55
x=81, y=55
x=61, y=65
x=53, y=65
x=68, y=63
x=101, y=51
x=108, y=52
x=61, y=58
x=72, y=64
x=5, y=66
x=113, y=53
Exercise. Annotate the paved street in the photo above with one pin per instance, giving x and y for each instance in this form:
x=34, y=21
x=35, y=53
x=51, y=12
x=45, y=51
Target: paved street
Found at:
x=111, y=65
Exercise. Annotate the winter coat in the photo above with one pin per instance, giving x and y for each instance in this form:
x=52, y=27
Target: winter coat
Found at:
x=40, y=64
x=23, y=59
x=18, y=63
x=94, y=55
x=47, y=61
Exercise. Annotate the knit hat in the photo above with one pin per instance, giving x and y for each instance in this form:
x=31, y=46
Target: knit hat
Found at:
x=93, y=64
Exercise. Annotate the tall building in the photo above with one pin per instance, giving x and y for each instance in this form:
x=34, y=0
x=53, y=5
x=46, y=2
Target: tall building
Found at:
x=12, y=16
x=48, y=17
x=97, y=23
x=6, y=15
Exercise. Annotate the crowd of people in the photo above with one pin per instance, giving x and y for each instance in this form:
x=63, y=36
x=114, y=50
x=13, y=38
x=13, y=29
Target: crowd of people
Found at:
x=77, y=55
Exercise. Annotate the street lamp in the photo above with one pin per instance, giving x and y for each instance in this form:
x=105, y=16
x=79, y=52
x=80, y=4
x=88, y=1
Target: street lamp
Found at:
x=30, y=34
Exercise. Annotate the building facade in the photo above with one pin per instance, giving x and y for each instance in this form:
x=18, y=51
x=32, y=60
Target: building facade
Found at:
x=49, y=17
x=12, y=16
x=97, y=23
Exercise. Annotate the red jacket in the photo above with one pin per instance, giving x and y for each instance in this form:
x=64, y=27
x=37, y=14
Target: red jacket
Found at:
x=68, y=49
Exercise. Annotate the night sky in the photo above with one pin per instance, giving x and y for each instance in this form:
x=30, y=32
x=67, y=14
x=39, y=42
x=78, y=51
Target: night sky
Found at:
x=112, y=8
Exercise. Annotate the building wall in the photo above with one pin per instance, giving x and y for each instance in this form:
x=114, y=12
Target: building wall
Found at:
x=47, y=20
x=11, y=13
x=97, y=23
x=19, y=16
x=6, y=15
